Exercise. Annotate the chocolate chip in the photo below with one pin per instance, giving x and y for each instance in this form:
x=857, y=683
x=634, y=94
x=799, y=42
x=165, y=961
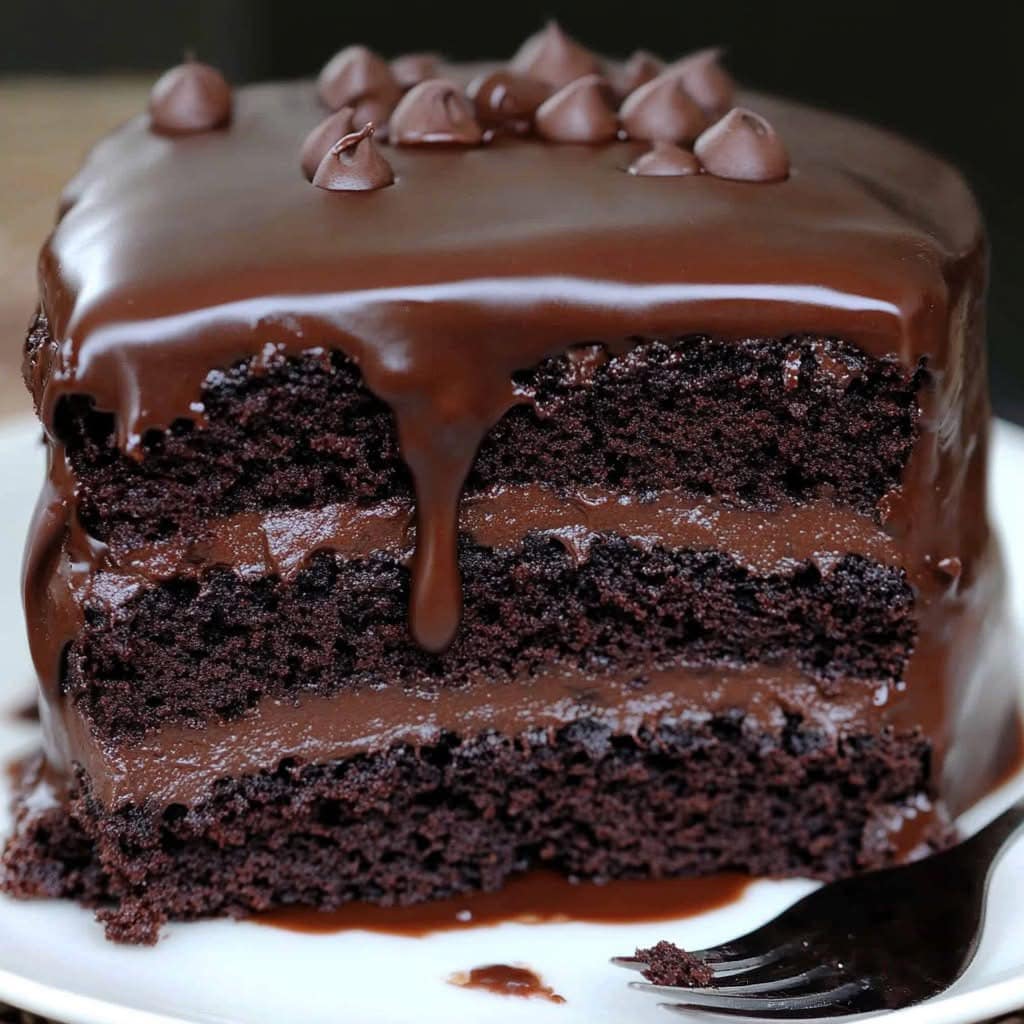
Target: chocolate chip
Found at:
x=192, y=97
x=412, y=68
x=435, y=112
x=505, y=97
x=554, y=57
x=743, y=146
x=664, y=160
x=662, y=110
x=359, y=78
x=582, y=111
x=641, y=67
x=704, y=78
x=332, y=128
x=354, y=164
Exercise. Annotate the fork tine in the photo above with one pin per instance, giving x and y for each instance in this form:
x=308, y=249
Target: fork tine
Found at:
x=835, y=1012
x=758, y=1005
x=725, y=968
x=784, y=981
x=740, y=996
x=720, y=968
x=631, y=963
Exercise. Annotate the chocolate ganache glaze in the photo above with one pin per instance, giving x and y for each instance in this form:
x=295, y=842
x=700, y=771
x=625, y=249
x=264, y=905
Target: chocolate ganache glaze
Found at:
x=176, y=255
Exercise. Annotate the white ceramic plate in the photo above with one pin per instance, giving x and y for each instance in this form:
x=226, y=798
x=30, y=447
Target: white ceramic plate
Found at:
x=55, y=961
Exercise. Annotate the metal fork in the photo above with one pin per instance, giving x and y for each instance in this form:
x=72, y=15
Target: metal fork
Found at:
x=878, y=941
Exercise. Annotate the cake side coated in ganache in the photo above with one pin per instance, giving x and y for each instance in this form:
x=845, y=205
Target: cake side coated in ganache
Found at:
x=452, y=457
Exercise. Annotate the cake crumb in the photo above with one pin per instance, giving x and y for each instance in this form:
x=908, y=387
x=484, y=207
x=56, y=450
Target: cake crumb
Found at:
x=667, y=964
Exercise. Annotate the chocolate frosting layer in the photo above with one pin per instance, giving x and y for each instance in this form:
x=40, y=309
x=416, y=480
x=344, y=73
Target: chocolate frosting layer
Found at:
x=179, y=764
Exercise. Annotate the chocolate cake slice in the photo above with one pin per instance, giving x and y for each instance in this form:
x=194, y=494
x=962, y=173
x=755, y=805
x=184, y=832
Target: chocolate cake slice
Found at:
x=566, y=463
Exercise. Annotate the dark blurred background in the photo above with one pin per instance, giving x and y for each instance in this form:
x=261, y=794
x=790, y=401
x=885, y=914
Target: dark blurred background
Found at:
x=948, y=75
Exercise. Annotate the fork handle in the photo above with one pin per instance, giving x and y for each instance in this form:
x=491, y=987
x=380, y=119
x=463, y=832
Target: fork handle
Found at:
x=994, y=838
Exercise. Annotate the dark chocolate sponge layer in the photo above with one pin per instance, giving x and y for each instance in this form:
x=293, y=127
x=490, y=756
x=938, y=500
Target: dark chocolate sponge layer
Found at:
x=187, y=651
x=759, y=422
x=406, y=824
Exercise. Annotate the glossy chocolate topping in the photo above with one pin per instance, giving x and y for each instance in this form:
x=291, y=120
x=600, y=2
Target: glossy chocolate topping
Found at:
x=664, y=160
x=743, y=146
x=554, y=57
x=662, y=111
x=582, y=111
x=435, y=112
x=191, y=97
x=330, y=130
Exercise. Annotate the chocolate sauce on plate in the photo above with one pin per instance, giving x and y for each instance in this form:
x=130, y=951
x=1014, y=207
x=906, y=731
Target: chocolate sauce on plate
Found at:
x=505, y=980
x=540, y=897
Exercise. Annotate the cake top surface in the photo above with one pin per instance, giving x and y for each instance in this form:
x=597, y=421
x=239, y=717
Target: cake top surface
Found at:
x=451, y=255
x=161, y=226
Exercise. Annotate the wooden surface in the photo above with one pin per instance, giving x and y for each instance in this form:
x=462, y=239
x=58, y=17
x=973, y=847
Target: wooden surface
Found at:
x=46, y=127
